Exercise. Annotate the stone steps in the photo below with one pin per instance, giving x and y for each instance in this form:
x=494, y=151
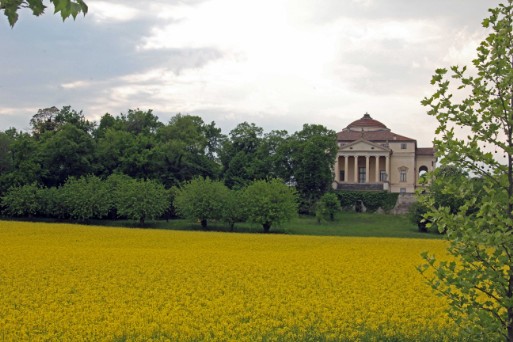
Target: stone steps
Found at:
x=404, y=201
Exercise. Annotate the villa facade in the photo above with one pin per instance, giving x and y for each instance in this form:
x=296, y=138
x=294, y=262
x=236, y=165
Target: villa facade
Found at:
x=371, y=157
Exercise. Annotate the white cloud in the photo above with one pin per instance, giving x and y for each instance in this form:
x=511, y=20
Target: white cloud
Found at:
x=75, y=84
x=108, y=12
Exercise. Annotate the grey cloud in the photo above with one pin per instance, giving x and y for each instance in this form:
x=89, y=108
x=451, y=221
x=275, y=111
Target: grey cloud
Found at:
x=42, y=55
x=456, y=11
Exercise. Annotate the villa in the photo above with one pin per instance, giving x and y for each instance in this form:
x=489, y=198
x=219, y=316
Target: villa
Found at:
x=371, y=157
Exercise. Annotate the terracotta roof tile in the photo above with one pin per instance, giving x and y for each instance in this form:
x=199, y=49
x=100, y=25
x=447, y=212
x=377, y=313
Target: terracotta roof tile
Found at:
x=366, y=121
x=426, y=151
x=384, y=135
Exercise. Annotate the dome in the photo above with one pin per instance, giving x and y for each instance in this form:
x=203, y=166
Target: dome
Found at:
x=366, y=123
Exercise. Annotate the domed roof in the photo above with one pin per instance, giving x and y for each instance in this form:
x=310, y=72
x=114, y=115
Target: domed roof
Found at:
x=366, y=122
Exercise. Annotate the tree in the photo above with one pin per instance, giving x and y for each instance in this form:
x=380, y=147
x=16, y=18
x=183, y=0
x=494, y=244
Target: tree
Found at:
x=53, y=203
x=327, y=206
x=140, y=199
x=25, y=164
x=67, y=152
x=270, y=202
x=86, y=198
x=66, y=8
x=232, y=211
x=479, y=282
x=238, y=155
x=201, y=199
x=138, y=121
x=53, y=118
x=23, y=200
x=313, y=151
x=273, y=156
x=188, y=149
x=6, y=162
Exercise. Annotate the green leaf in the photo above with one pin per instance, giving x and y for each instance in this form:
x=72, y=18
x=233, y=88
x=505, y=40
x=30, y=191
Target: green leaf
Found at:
x=36, y=6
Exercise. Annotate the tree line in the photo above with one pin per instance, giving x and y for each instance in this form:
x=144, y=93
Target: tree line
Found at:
x=62, y=147
x=265, y=202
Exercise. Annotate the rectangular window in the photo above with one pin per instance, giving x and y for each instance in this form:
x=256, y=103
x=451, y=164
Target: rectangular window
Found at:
x=402, y=176
x=403, y=146
x=342, y=175
x=382, y=176
x=361, y=175
x=402, y=191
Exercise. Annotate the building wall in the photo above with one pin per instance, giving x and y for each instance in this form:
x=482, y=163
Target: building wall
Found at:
x=402, y=159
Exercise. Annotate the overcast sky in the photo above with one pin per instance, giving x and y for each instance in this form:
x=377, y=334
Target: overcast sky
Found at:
x=277, y=63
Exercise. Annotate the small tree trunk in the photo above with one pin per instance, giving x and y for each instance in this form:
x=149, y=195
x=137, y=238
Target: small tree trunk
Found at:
x=204, y=223
x=141, y=221
x=267, y=227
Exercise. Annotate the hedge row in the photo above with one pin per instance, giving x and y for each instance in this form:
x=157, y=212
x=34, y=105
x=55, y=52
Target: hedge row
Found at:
x=372, y=200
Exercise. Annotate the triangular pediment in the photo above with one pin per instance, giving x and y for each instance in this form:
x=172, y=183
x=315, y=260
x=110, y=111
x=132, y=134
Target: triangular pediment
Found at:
x=364, y=146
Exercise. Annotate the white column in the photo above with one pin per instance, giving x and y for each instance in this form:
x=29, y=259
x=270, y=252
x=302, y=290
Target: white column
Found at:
x=376, y=169
x=346, y=168
x=367, y=173
x=336, y=169
x=356, y=169
x=387, y=168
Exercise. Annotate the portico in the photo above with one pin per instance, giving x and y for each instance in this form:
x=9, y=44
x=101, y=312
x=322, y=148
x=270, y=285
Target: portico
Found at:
x=357, y=168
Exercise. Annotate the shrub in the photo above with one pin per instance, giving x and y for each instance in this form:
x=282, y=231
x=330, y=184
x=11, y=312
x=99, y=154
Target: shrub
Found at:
x=416, y=214
x=327, y=206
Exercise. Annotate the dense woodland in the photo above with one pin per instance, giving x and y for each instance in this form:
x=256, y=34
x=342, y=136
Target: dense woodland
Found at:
x=63, y=146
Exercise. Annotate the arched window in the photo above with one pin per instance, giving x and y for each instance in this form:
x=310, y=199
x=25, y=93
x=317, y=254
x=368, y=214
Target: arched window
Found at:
x=422, y=170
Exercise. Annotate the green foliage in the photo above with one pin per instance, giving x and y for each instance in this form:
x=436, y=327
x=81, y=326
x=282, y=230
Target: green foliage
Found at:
x=239, y=155
x=416, y=214
x=478, y=282
x=23, y=200
x=312, y=154
x=437, y=189
x=67, y=152
x=233, y=211
x=201, y=199
x=86, y=198
x=53, y=203
x=327, y=207
x=138, y=122
x=6, y=162
x=25, y=164
x=53, y=119
x=141, y=199
x=372, y=200
x=66, y=8
x=188, y=148
x=270, y=202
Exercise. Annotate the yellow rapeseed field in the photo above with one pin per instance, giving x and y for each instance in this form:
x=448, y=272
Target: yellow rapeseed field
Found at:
x=81, y=283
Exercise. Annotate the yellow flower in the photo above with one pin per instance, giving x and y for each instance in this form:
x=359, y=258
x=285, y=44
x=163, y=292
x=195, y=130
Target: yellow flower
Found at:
x=69, y=282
